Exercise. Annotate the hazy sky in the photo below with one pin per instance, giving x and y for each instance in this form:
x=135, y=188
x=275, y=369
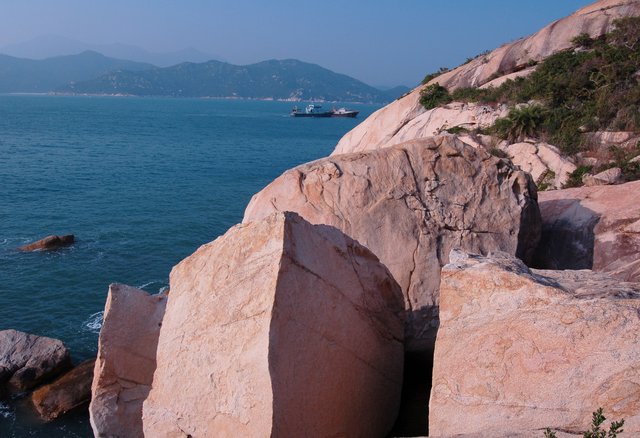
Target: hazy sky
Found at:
x=382, y=42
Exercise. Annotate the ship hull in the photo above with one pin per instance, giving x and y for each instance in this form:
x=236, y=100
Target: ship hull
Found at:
x=346, y=114
x=326, y=114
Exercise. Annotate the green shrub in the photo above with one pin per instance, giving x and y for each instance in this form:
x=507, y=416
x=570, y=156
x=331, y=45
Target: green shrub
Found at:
x=583, y=40
x=434, y=95
x=430, y=76
x=596, y=432
x=575, y=177
x=622, y=159
x=457, y=130
x=580, y=91
x=521, y=123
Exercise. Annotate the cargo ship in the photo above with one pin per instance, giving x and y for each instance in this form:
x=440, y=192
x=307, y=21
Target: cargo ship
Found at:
x=313, y=110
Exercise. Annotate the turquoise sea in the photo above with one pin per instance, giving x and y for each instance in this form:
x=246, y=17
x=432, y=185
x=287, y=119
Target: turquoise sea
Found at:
x=142, y=183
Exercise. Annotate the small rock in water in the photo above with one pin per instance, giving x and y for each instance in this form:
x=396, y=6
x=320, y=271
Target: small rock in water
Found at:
x=27, y=360
x=70, y=391
x=49, y=243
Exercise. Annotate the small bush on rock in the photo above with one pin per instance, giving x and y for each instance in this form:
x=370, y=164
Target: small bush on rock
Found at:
x=596, y=431
x=434, y=95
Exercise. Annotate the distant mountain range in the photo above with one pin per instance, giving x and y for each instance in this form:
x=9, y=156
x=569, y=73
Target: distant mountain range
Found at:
x=277, y=79
x=93, y=73
x=48, y=46
x=19, y=75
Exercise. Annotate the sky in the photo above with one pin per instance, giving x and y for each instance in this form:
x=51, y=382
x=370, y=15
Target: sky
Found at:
x=381, y=42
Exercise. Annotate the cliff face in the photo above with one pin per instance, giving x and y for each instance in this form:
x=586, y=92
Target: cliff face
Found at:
x=278, y=328
x=388, y=125
x=410, y=204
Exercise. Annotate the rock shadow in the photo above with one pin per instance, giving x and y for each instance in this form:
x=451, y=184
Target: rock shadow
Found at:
x=568, y=237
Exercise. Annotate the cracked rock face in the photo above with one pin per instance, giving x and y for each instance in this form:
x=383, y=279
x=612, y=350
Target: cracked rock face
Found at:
x=522, y=349
x=409, y=121
x=410, y=205
x=126, y=361
x=592, y=227
x=278, y=328
x=543, y=161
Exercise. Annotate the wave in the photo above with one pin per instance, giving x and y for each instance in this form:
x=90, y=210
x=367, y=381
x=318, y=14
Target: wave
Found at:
x=163, y=286
x=6, y=412
x=93, y=324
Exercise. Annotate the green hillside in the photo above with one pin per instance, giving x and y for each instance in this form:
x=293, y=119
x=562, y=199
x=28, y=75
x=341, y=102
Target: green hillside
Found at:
x=277, y=79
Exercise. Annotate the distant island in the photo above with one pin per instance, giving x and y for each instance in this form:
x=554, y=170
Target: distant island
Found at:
x=95, y=74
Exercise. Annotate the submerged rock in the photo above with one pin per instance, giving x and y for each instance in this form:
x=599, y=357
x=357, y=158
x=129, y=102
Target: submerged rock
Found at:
x=70, y=391
x=410, y=205
x=27, y=361
x=278, y=328
x=522, y=349
x=592, y=228
x=126, y=361
x=49, y=243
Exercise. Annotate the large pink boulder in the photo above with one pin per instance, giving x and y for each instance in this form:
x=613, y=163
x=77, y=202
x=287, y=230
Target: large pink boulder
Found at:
x=278, y=329
x=410, y=205
x=592, y=228
x=126, y=361
x=522, y=350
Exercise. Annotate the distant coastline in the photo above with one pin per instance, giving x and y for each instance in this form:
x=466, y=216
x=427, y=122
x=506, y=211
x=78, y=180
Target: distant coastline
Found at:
x=261, y=99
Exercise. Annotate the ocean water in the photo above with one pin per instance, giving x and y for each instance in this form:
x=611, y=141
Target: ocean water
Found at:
x=141, y=183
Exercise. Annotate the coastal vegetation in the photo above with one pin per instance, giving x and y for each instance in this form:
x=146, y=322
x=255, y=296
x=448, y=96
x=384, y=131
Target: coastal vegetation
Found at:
x=593, y=86
x=596, y=430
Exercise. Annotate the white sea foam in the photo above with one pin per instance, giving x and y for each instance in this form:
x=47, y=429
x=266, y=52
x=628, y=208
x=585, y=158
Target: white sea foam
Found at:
x=94, y=322
x=162, y=285
x=5, y=411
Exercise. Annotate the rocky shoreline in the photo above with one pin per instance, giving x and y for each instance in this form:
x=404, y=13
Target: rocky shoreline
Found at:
x=414, y=282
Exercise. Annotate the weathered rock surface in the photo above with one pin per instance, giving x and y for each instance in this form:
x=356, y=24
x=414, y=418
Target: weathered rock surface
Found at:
x=381, y=128
x=410, y=204
x=524, y=350
x=49, y=243
x=126, y=361
x=426, y=124
x=543, y=161
x=623, y=139
x=592, y=228
x=604, y=178
x=278, y=328
x=71, y=390
x=417, y=124
x=27, y=360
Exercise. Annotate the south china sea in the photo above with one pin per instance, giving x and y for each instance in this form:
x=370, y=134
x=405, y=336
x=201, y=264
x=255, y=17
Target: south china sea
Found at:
x=141, y=183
